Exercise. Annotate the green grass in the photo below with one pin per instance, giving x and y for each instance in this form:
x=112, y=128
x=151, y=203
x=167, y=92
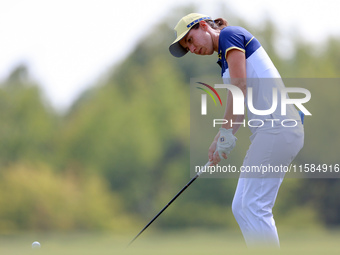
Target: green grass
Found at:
x=194, y=242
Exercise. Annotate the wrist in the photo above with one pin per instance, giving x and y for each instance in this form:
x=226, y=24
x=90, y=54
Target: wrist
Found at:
x=217, y=136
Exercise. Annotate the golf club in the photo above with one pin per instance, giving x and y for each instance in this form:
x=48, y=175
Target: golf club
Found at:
x=172, y=200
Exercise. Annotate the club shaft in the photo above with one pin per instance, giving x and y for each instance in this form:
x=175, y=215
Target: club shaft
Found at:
x=171, y=201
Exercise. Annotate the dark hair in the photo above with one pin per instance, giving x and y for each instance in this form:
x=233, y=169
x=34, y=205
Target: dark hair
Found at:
x=217, y=24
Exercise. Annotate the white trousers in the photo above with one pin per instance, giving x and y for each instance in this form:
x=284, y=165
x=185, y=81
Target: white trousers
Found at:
x=256, y=192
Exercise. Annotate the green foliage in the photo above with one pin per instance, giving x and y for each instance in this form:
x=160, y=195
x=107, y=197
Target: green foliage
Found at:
x=27, y=126
x=131, y=131
x=34, y=197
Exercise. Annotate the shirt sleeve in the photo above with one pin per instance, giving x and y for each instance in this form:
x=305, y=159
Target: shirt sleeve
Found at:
x=232, y=38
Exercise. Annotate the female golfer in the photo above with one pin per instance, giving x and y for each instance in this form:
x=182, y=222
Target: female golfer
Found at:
x=246, y=65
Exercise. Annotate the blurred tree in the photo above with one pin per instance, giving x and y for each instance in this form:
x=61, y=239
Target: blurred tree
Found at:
x=27, y=125
x=33, y=197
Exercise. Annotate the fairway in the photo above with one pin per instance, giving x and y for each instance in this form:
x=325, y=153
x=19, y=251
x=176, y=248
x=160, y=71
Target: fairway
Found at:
x=196, y=242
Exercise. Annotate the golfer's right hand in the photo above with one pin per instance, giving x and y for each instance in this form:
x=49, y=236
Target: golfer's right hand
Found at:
x=214, y=157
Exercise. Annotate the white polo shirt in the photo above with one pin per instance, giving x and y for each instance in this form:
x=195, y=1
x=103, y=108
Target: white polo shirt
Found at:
x=262, y=75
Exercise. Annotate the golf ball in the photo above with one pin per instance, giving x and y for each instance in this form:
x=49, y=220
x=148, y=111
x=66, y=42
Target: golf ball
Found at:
x=35, y=245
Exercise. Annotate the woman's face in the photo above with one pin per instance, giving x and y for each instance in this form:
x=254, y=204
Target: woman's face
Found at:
x=199, y=41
